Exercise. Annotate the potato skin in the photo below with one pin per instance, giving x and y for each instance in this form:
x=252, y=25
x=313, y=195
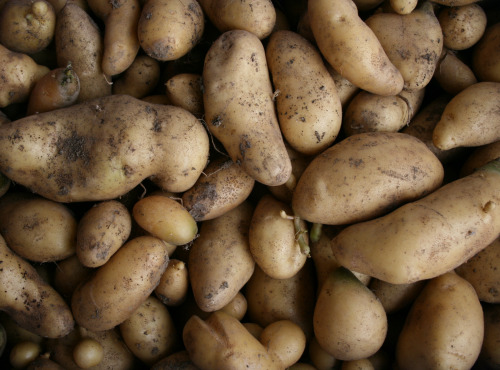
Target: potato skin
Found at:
x=486, y=55
x=120, y=286
x=239, y=109
x=101, y=149
x=444, y=327
x=329, y=190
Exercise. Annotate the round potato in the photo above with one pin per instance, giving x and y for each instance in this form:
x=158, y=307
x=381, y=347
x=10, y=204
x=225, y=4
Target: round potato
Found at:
x=139, y=79
x=463, y=26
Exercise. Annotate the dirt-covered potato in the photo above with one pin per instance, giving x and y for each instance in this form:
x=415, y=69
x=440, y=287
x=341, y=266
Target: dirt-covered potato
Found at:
x=140, y=78
x=186, y=90
x=462, y=26
x=173, y=287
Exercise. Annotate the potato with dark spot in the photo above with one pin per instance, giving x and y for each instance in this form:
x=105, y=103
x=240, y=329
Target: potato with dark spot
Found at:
x=173, y=287
x=185, y=90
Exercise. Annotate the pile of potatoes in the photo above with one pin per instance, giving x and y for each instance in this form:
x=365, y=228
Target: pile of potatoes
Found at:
x=256, y=184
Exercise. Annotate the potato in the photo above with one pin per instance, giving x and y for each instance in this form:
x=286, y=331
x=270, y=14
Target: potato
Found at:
x=403, y=6
x=308, y=107
x=169, y=29
x=37, y=229
x=23, y=353
x=186, y=90
x=220, y=262
x=31, y=302
x=139, y=79
x=120, y=286
x=462, y=26
x=69, y=273
x=237, y=307
x=239, y=109
x=471, y=118
x=481, y=271
x=329, y=190
x=427, y=237
x=255, y=16
x=150, y=332
x=321, y=358
x=43, y=363
x=173, y=287
x=101, y=231
x=27, y=26
x=452, y=74
x=486, y=55
x=88, y=353
x=352, y=48
x=349, y=321
x=479, y=157
x=395, y=297
x=367, y=112
x=65, y=156
x=222, y=187
x=78, y=42
x=346, y=90
x=178, y=360
x=490, y=355
x=285, y=340
x=18, y=75
x=413, y=43
x=444, y=327
x=361, y=364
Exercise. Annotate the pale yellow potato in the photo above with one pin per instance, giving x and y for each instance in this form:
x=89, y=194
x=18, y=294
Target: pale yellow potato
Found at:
x=349, y=321
x=427, y=237
x=65, y=156
x=486, y=55
x=471, y=118
x=256, y=16
x=69, y=273
x=220, y=262
x=361, y=364
x=403, y=6
x=444, y=328
x=222, y=187
x=367, y=112
x=352, y=48
x=166, y=219
x=482, y=272
x=479, y=157
x=237, y=307
x=274, y=241
x=18, y=75
x=284, y=340
x=120, y=286
x=169, y=29
x=78, y=41
x=462, y=26
x=239, y=107
x=173, y=287
x=150, y=332
x=140, y=78
x=452, y=74
x=321, y=358
x=186, y=91
x=413, y=42
x=37, y=229
x=42, y=310
x=332, y=191
x=27, y=26
x=308, y=107
x=490, y=353
x=101, y=231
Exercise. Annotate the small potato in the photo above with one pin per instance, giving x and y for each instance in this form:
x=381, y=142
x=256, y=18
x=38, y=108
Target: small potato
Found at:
x=101, y=231
x=463, y=26
x=37, y=229
x=69, y=273
x=169, y=29
x=482, y=272
x=486, y=55
x=166, y=219
x=22, y=354
x=255, y=16
x=222, y=187
x=329, y=190
x=395, y=297
x=308, y=107
x=237, y=307
x=27, y=26
x=88, y=353
x=284, y=340
x=274, y=241
x=444, y=327
x=346, y=90
x=361, y=364
x=172, y=289
x=471, y=118
x=120, y=286
x=452, y=74
x=349, y=321
x=321, y=358
x=186, y=90
x=140, y=78
x=403, y=6
x=352, y=48
x=150, y=332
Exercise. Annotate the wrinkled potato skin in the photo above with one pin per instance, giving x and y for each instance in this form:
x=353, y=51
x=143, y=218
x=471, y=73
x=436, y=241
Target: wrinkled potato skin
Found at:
x=102, y=230
x=239, y=109
x=72, y=159
x=444, y=328
x=37, y=229
x=120, y=286
x=31, y=302
x=352, y=48
x=329, y=190
x=308, y=107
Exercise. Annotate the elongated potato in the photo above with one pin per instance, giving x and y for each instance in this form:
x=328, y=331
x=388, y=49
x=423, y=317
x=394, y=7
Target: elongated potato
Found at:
x=352, y=48
x=330, y=191
x=120, y=286
x=66, y=156
x=31, y=302
x=308, y=107
x=239, y=109
x=486, y=55
x=428, y=237
x=471, y=118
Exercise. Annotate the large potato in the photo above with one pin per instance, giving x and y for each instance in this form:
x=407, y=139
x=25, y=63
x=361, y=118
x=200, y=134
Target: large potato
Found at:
x=239, y=109
x=103, y=148
x=333, y=189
